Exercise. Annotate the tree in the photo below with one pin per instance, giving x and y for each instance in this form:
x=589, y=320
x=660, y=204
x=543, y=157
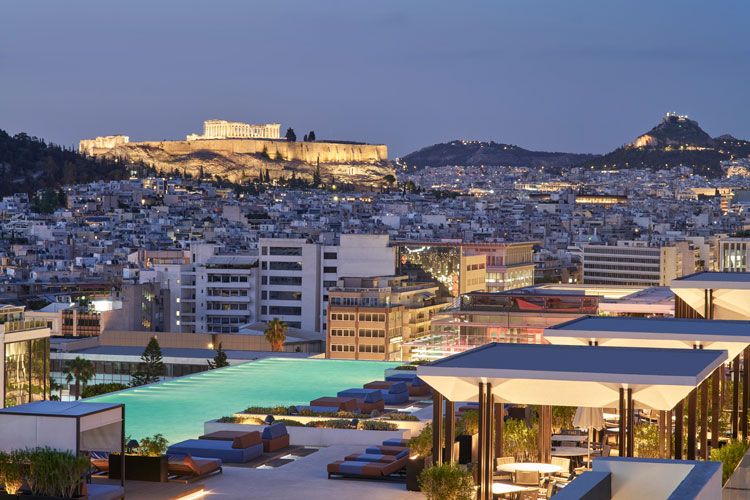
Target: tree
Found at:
x=220, y=360
x=79, y=369
x=276, y=334
x=316, y=176
x=268, y=176
x=390, y=179
x=290, y=135
x=151, y=367
x=305, y=139
x=311, y=136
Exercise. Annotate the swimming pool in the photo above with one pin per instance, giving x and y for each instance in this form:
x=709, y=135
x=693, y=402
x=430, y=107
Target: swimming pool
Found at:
x=178, y=408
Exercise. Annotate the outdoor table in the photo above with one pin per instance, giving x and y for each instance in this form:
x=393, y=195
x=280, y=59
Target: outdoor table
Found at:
x=506, y=488
x=569, y=451
x=543, y=469
x=573, y=438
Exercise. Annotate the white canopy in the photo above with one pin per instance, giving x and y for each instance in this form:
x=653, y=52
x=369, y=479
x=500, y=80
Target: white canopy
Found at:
x=730, y=293
x=673, y=333
x=62, y=425
x=571, y=375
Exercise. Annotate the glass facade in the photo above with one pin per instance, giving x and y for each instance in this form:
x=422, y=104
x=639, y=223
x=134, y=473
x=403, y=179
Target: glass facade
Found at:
x=26, y=371
x=426, y=263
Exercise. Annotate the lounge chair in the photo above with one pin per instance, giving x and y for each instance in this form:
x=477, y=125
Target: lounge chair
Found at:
x=240, y=450
x=372, y=470
x=396, y=442
x=394, y=392
x=230, y=436
x=373, y=457
x=187, y=469
x=386, y=450
x=367, y=399
x=343, y=404
x=416, y=386
x=275, y=437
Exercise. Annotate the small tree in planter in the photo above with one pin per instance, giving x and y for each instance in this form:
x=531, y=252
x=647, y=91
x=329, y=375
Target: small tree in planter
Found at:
x=150, y=464
x=54, y=473
x=447, y=482
x=420, y=447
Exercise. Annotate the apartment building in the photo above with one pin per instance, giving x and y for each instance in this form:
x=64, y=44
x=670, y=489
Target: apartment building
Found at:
x=24, y=365
x=371, y=318
x=733, y=255
x=295, y=274
x=637, y=263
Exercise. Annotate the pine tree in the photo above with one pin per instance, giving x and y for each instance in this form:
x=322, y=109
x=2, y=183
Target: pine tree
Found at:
x=311, y=136
x=268, y=176
x=290, y=135
x=305, y=139
x=316, y=176
x=151, y=366
x=220, y=360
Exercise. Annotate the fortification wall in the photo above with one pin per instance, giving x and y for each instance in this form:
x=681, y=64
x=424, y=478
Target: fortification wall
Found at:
x=309, y=152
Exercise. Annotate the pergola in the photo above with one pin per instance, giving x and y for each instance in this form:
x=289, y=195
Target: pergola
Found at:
x=679, y=333
x=64, y=425
x=550, y=375
x=712, y=295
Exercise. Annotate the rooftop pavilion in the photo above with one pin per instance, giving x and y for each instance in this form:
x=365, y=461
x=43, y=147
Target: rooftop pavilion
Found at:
x=712, y=295
x=546, y=375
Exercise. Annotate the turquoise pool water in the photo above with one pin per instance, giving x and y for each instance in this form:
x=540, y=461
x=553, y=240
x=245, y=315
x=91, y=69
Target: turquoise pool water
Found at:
x=178, y=408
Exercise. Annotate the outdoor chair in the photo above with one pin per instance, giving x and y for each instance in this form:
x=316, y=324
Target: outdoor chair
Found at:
x=564, y=463
x=500, y=475
x=569, y=432
x=527, y=478
x=549, y=490
x=528, y=495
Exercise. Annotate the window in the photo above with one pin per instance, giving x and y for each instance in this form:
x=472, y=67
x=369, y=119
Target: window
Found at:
x=342, y=348
x=329, y=269
x=286, y=266
x=264, y=295
x=371, y=348
x=264, y=251
x=329, y=284
x=372, y=333
x=286, y=251
x=280, y=295
x=263, y=310
x=264, y=265
x=294, y=324
x=264, y=280
x=342, y=332
x=285, y=280
x=329, y=255
x=285, y=310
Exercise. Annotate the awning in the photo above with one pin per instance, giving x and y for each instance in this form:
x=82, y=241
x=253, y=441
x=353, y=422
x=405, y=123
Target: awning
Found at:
x=673, y=333
x=730, y=293
x=573, y=375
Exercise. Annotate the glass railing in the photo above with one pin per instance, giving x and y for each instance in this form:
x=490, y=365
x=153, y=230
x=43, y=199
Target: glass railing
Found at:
x=21, y=325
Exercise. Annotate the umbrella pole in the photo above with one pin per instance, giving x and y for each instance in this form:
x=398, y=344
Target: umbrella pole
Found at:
x=589, y=449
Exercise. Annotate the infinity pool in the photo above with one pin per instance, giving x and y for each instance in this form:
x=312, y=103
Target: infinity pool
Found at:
x=178, y=408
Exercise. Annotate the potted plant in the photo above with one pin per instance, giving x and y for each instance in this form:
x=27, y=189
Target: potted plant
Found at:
x=420, y=448
x=54, y=474
x=148, y=464
x=11, y=474
x=447, y=482
x=467, y=436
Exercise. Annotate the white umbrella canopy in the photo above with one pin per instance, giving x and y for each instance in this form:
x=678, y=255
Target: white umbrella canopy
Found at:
x=588, y=419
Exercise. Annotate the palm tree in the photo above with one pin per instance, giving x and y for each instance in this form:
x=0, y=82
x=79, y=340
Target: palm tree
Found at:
x=54, y=386
x=276, y=334
x=79, y=369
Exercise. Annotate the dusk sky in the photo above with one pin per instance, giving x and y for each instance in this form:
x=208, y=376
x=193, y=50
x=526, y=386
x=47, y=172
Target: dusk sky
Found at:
x=579, y=76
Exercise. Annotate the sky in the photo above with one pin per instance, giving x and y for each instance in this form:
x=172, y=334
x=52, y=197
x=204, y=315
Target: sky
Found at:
x=554, y=75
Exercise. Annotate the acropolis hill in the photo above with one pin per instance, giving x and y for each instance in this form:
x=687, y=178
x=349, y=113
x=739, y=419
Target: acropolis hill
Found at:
x=237, y=152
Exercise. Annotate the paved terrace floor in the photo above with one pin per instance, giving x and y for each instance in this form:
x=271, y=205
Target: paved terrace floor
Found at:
x=304, y=478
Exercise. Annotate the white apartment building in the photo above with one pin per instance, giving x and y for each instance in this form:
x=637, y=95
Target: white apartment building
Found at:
x=295, y=274
x=733, y=255
x=636, y=263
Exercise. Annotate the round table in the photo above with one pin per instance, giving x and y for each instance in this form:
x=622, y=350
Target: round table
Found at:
x=574, y=438
x=529, y=466
x=505, y=488
x=569, y=451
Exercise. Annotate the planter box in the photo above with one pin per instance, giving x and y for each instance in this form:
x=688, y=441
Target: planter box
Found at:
x=414, y=426
x=413, y=468
x=138, y=468
x=6, y=496
x=314, y=436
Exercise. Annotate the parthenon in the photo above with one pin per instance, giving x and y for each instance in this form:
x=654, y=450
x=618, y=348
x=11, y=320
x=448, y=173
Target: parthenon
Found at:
x=222, y=129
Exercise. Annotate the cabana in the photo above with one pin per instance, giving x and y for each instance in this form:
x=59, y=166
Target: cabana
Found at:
x=549, y=375
x=679, y=333
x=64, y=425
x=712, y=295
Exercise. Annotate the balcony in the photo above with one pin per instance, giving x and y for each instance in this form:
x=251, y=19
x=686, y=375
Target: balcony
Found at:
x=23, y=325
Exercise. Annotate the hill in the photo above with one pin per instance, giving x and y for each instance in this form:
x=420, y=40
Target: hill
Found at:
x=28, y=164
x=675, y=141
x=488, y=153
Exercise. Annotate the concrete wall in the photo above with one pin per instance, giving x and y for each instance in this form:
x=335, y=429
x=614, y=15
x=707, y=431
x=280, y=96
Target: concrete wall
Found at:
x=310, y=152
x=313, y=436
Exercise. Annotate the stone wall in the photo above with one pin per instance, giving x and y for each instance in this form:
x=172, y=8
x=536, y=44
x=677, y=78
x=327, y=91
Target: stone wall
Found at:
x=308, y=152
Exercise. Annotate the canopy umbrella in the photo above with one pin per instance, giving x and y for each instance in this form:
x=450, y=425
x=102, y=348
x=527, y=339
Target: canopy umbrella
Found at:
x=588, y=419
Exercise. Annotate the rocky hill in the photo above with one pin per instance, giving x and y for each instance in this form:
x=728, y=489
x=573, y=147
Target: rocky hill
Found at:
x=487, y=153
x=675, y=141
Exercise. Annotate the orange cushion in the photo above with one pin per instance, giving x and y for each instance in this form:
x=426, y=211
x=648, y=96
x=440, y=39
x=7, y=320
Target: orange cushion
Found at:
x=246, y=440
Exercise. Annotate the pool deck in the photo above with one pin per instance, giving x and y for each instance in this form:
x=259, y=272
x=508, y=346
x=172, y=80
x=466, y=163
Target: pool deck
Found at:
x=304, y=478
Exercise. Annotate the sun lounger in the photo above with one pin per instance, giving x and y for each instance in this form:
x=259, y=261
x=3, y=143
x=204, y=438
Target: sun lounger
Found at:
x=232, y=435
x=396, y=442
x=386, y=450
x=319, y=409
x=343, y=404
x=373, y=470
x=367, y=399
x=371, y=457
x=187, y=469
x=240, y=450
x=395, y=392
x=416, y=386
x=275, y=437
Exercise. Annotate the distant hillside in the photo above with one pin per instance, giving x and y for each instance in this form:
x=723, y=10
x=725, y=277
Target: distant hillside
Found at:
x=488, y=153
x=675, y=141
x=28, y=164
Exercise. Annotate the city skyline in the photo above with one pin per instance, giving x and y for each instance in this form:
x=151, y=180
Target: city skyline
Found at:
x=405, y=76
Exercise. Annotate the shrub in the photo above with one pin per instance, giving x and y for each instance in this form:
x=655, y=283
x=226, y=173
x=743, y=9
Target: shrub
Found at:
x=289, y=422
x=229, y=420
x=266, y=410
x=11, y=472
x=54, y=473
x=331, y=424
x=469, y=423
x=729, y=455
x=406, y=367
x=562, y=417
x=154, y=446
x=421, y=445
x=97, y=389
x=520, y=441
x=447, y=482
x=646, y=440
x=401, y=417
x=374, y=425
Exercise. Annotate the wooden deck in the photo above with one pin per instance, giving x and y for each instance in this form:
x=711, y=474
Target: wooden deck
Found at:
x=146, y=490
